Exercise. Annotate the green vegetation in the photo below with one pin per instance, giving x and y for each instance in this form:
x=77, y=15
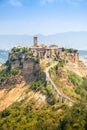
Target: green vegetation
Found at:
x=71, y=50
x=80, y=85
x=18, y=117
x=48, y=64
x=18, y=53
x=5, y=74
x=75, y=51
x=15, y=49
x=84, y=84
x=61, y=63
x=38, y=85
x=36, y=60
x=55, y=59
x=13, y=58
x=74, y=78
x=63, y=49
x=24, y=50
x=24, y=115
x=21, y=50
x=29, y=52
x=69, y=83
x=75, y=118
x=53, y=116
x=14, y=71
x=50, y=117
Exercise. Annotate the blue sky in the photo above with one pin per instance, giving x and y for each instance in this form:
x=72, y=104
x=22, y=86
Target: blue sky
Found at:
x=42, y=16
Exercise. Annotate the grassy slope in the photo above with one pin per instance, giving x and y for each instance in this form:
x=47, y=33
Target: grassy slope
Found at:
x=34, y=110
x=31, y=112
x=26, y=116
x=70, y=83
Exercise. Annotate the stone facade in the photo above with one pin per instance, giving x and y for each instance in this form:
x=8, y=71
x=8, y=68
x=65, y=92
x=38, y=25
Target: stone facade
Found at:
x=27, y=57
x=35, y=41
x=46, y=52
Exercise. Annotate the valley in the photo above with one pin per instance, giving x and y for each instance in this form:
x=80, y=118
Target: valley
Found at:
x=43, y=88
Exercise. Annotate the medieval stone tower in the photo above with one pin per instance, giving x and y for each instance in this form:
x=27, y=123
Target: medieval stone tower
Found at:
x=35, y=41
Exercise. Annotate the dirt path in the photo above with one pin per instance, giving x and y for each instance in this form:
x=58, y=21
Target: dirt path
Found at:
x=53, y=84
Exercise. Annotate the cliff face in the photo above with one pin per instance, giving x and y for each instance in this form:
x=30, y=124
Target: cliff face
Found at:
x=25, y=62
x=70, y=57
x=25, y=59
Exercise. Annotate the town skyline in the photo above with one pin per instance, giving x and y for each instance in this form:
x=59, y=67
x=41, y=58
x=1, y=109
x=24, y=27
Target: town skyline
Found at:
x=76, y=40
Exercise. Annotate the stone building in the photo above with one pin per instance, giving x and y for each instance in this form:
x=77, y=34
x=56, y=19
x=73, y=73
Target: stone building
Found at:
x=35, y=41
x=27, y=57
x=43, y=51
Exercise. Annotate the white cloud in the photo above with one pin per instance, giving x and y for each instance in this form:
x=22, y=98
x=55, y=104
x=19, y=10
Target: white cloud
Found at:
x=77, y=2
x=74, y=2
x=43, y=2
x=15, y=2
x=47, y=1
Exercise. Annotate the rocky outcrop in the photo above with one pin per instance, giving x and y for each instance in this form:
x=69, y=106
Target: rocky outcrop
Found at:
x=27, y=58
x=28, y=64
x=70, y=57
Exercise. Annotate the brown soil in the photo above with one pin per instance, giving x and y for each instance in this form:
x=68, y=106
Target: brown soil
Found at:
x=79, y=68
x=8, y=97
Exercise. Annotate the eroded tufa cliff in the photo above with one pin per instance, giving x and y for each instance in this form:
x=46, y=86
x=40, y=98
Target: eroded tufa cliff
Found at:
x=27, y=59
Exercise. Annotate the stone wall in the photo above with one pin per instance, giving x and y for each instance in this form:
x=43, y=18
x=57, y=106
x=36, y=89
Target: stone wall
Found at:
x=27, y=61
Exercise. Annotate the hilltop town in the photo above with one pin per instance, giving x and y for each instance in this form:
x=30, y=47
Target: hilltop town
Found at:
x=23, y=57
x=41, y=83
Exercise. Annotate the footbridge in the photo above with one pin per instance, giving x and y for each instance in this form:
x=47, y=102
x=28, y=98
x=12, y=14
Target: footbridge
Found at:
x=59, y=96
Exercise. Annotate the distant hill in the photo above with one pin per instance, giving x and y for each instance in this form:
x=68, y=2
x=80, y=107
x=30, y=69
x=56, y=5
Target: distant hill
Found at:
x=68, y=39
x=3, y=56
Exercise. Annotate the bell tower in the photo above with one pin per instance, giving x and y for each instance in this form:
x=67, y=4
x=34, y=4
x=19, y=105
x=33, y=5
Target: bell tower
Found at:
x=35, y=41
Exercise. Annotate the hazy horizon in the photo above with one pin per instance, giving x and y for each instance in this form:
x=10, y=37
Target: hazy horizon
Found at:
x=61, y=22
x=76, y=40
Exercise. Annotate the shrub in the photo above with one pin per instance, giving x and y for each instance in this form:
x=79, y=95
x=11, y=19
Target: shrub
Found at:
x=63, y=49
x=60, y=64
x=24, y=50
x=13, y=58
x=70, y=50
x=36, y=85
x=55, y=59
x=29, y=52
x=4, y=74
x=15, y=49
x=7, y=72
x=48, y=64
x=5, y=113
x=15, y=71
x=74, y=78
x=75, y=51
x=84, y=85
x=7, y=63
